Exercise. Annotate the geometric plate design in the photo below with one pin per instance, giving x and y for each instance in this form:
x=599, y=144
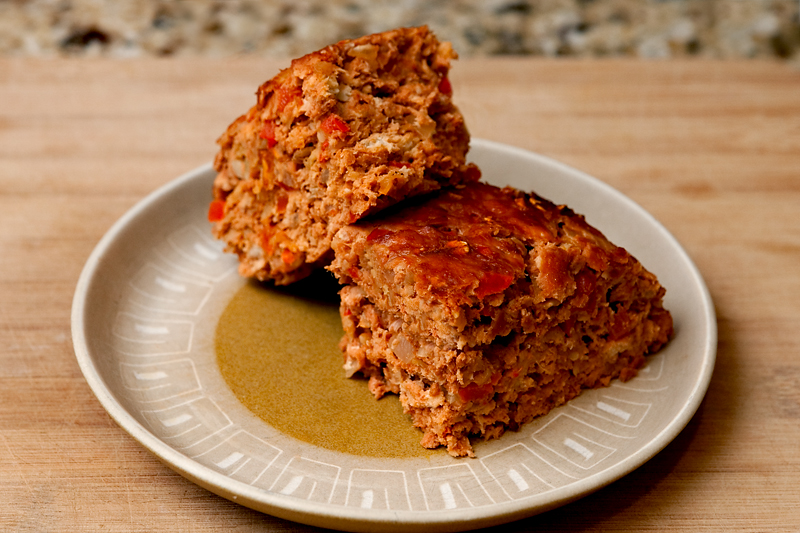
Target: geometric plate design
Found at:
x=144, y=314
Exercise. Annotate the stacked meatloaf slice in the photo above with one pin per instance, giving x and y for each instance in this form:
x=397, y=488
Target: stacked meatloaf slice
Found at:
x=342, y=133
x=485, y=307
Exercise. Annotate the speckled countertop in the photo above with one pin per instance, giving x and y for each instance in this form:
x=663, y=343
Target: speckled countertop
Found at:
x=281, y=28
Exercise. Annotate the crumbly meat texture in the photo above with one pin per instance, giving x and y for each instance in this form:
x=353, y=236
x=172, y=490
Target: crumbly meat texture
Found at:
x=342, y=133
x=484, y=308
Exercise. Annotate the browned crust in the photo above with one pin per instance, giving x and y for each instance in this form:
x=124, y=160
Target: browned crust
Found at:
x=342, y=133
x=484, y=308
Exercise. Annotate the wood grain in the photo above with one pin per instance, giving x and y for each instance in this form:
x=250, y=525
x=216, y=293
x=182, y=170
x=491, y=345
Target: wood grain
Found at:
x=711, y=149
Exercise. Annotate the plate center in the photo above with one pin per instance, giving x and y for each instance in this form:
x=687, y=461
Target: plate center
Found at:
x=277, y=349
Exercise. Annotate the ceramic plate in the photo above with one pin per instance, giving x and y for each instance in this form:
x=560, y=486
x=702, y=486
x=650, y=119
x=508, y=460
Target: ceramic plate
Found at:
x=143, y=322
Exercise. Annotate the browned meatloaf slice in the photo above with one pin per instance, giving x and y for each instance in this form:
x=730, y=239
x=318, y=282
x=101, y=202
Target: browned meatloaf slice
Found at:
x=484, y=308
x=342, y=133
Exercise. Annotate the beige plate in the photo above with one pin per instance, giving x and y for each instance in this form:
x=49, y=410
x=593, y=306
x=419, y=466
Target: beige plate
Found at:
x=143, y=319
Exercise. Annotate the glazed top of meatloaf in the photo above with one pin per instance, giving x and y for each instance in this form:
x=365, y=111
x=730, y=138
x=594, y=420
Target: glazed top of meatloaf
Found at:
x=457, y=256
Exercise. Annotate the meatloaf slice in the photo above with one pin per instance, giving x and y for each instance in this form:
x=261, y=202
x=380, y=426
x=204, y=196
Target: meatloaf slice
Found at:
x=342, y=133
x=485, y=307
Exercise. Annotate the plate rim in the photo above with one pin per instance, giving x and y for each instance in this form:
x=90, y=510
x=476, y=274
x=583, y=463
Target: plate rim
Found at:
x=342, y=517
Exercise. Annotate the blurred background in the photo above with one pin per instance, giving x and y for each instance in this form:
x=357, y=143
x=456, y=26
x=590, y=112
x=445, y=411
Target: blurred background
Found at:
x=763, y=29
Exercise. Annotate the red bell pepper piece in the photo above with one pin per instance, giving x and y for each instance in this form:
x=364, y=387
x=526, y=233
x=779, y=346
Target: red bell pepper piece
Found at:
x=216, y=210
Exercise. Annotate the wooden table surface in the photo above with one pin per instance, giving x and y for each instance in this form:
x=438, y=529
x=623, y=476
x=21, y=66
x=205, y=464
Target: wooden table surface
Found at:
x=711, y=149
